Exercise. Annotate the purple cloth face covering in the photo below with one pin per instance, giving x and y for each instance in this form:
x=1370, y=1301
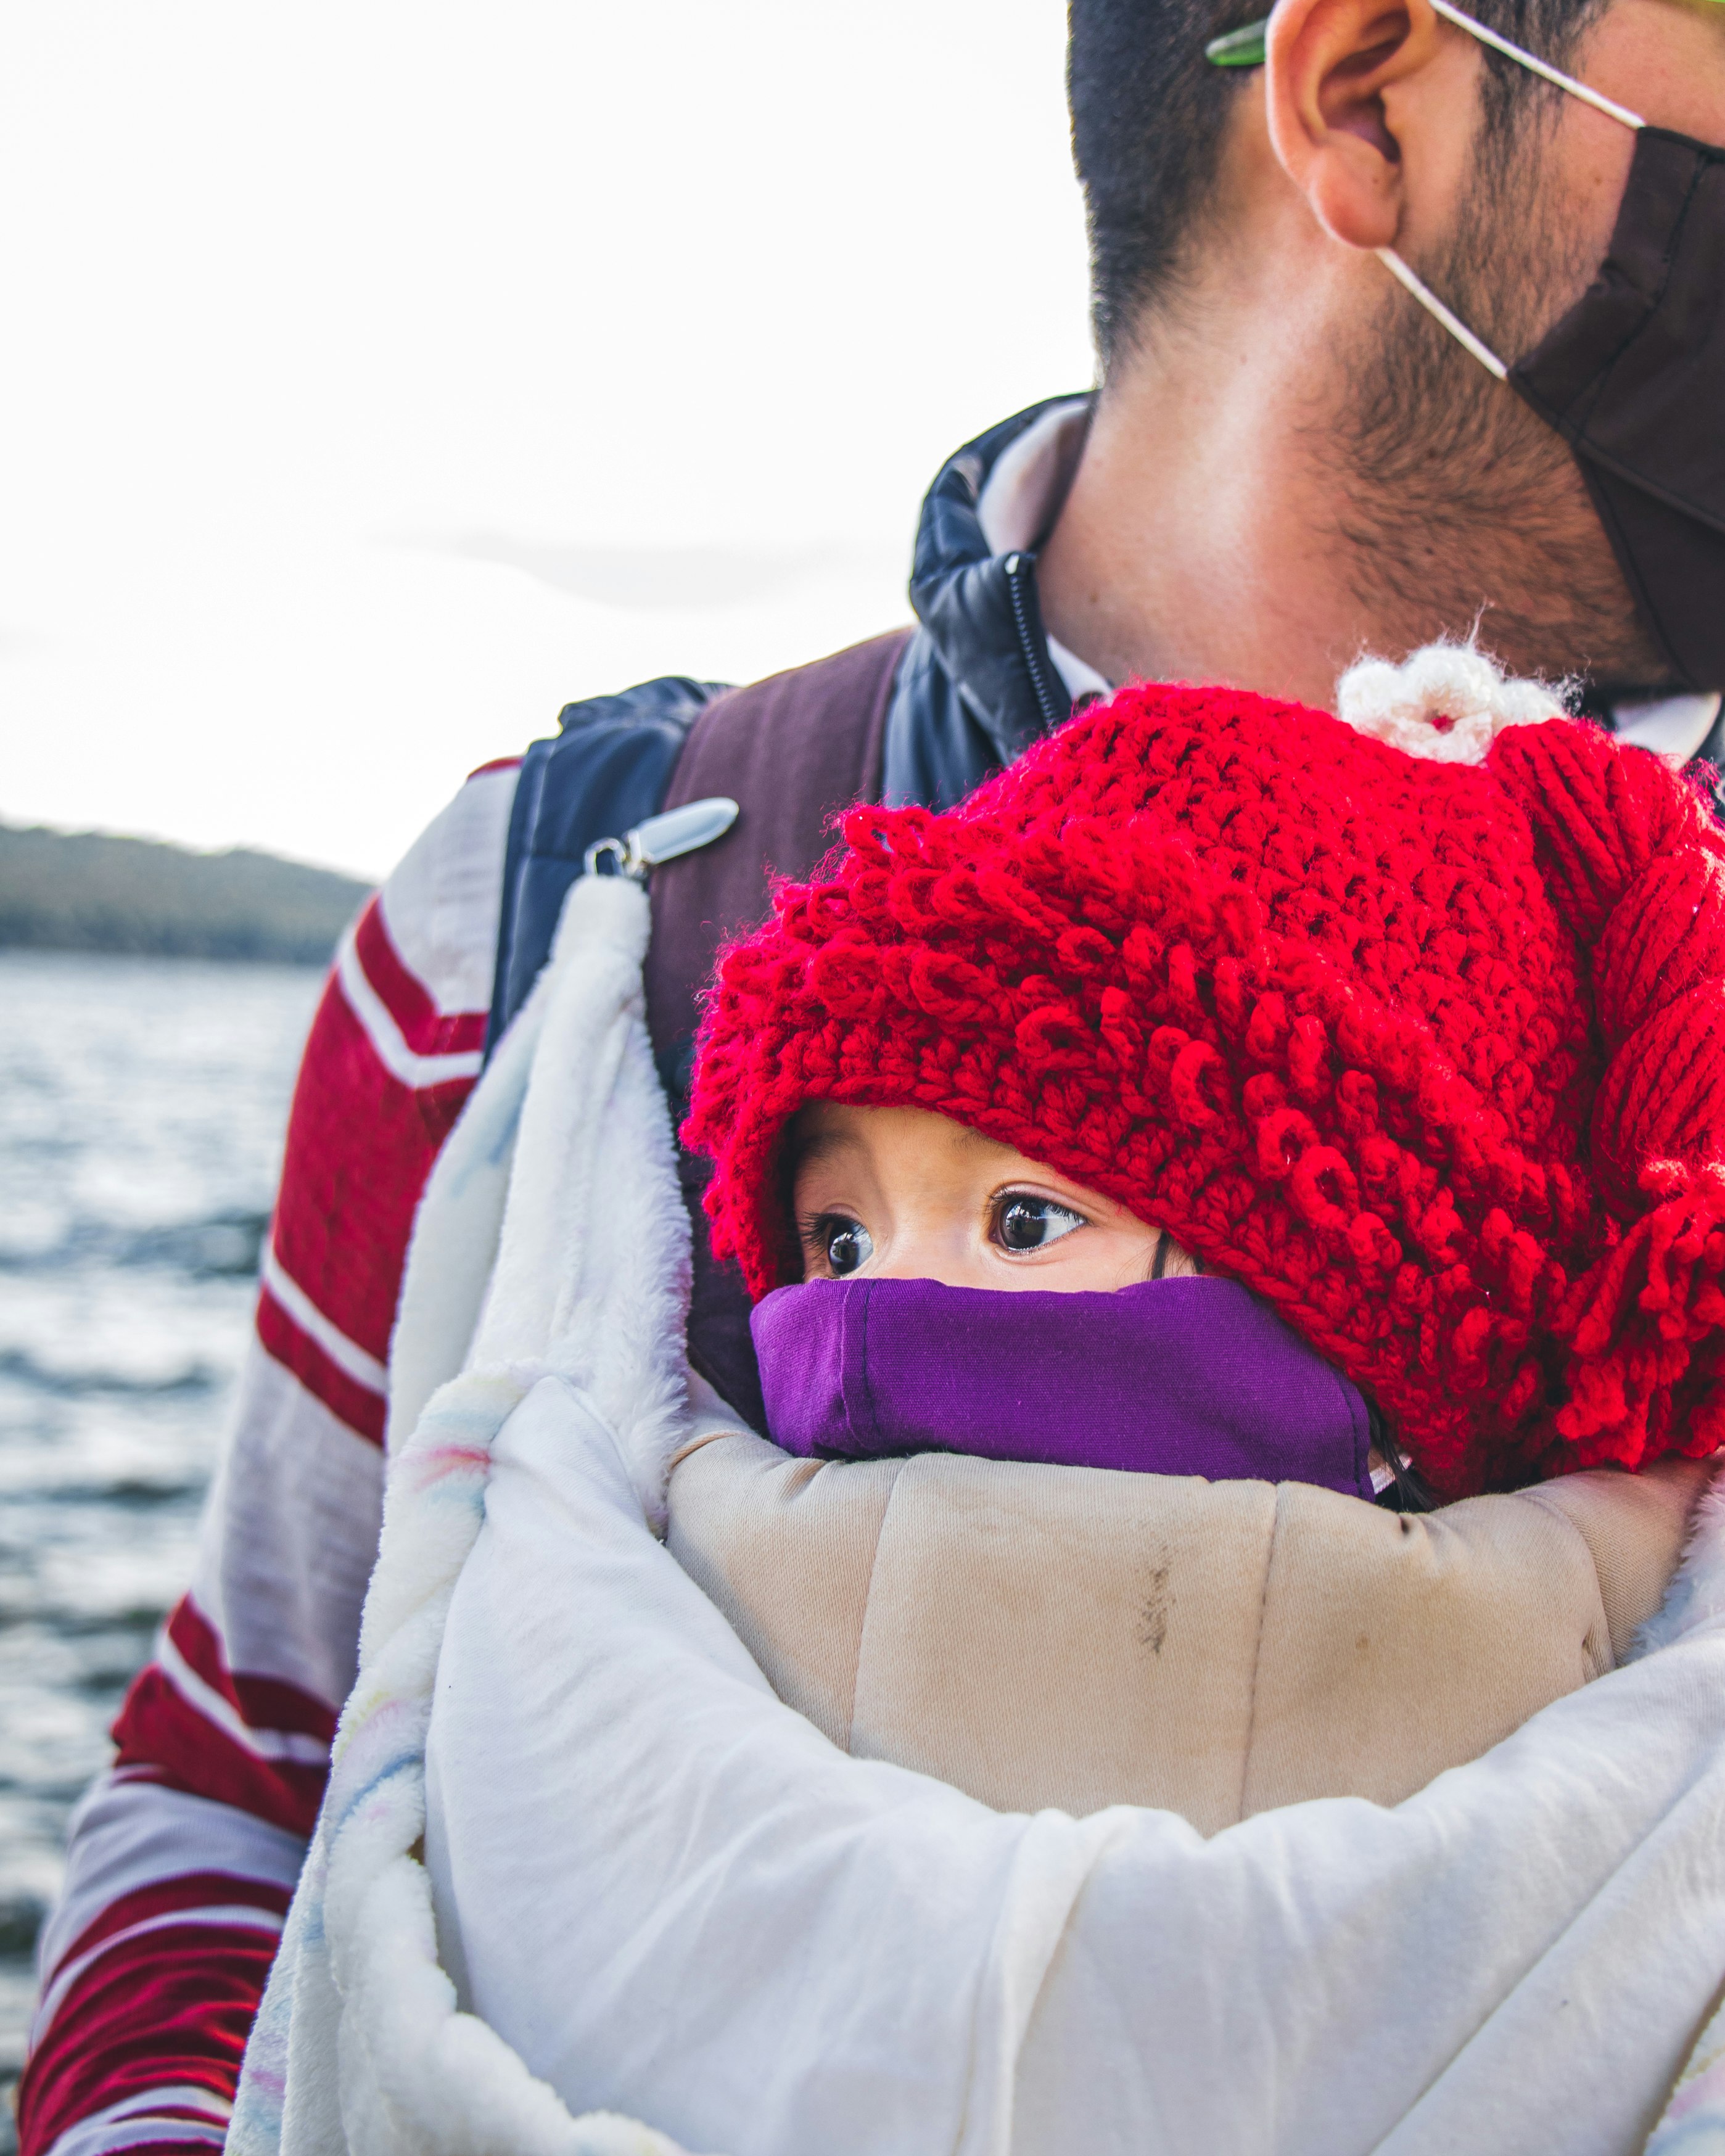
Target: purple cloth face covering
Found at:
x=1173, y=1376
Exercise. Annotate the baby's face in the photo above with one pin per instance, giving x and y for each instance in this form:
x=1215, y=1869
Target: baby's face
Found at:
x=899, y=1194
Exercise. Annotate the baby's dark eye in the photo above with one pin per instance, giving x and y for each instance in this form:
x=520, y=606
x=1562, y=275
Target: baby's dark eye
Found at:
x=846, y=1244
x=1025, y=1223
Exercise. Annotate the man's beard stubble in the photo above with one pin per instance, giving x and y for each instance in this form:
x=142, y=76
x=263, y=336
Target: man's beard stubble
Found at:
x=1460, y=508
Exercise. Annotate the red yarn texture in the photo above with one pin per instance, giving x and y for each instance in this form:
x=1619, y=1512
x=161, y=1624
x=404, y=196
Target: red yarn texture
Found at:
x=1431, y=1056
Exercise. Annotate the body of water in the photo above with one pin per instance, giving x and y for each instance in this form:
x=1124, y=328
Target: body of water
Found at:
x=142, y=1103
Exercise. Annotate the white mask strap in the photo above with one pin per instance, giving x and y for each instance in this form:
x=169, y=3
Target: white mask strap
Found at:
x=1451, y=13
x=1454, y=324
x=1393, y=263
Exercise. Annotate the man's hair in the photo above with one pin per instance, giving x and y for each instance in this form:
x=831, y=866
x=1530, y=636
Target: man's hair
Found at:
x=1149, y=112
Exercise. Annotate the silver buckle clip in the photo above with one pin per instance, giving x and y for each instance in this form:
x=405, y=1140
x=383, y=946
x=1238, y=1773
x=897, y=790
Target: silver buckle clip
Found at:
x=663, y=838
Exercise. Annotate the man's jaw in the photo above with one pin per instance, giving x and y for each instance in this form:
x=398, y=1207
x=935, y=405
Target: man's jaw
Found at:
x=1462, y=514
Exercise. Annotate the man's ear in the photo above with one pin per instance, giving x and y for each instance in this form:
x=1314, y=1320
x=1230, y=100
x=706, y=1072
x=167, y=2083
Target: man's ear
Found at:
x=1337, y=85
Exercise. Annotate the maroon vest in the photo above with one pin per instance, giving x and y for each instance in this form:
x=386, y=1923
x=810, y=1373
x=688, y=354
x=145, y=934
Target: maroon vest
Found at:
x=793, y=750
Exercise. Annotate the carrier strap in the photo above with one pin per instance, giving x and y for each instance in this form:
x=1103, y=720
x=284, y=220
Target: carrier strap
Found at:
x=605, y=770
x=793, y=750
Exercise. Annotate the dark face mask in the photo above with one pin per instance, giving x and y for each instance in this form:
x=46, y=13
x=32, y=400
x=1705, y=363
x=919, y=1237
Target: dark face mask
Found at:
x=1633, y=376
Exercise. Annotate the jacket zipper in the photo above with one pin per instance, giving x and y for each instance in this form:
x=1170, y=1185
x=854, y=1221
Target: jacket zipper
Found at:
x=1019, y=569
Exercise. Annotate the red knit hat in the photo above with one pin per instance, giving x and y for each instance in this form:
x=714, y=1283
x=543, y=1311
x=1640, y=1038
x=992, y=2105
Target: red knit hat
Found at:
x=1428, y=1053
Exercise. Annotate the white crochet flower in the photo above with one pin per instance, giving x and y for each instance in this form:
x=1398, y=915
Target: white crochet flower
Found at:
x=1447, y=702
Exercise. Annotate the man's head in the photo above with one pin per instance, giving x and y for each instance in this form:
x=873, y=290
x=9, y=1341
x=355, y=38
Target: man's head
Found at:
x=1151, y=115
x=1237, y=213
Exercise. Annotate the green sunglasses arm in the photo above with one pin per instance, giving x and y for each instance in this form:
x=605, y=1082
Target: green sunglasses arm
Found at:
x=1238, y=48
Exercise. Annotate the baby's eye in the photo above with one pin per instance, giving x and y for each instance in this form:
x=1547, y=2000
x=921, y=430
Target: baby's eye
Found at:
x=1025, y=1223
x=846, y=1244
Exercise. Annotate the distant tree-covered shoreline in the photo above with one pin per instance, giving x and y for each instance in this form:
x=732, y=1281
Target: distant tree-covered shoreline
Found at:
x=86, y=891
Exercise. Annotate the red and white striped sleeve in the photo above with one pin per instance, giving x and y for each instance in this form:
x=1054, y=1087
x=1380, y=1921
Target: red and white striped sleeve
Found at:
x=182, y=1859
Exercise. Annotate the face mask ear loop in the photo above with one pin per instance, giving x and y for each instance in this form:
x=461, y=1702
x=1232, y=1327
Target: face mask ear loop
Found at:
x=1611, y=109
x=1393, y=263
x=1435, y=306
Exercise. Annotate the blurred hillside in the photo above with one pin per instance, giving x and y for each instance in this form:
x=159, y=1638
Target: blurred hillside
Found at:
x=84, y=891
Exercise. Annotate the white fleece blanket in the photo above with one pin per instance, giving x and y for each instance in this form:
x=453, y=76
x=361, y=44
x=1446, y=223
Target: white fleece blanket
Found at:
x=661, y=1892
x=674, y=1897
x=550, y=1239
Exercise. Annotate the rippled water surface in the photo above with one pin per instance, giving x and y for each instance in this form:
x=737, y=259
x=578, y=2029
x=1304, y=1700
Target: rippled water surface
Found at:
x=141, y=1109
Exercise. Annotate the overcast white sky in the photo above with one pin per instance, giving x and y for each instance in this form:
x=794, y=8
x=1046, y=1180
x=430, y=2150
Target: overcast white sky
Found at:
x=379, y=376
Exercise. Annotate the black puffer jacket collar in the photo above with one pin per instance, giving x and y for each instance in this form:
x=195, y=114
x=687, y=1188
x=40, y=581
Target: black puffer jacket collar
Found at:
x=977, y=686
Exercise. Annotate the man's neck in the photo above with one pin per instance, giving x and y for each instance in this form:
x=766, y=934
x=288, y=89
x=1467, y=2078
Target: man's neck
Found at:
x=1187, y=547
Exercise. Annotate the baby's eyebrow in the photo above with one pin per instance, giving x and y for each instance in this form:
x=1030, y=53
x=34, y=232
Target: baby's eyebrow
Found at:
x=817, y=1145
x=973, y=1139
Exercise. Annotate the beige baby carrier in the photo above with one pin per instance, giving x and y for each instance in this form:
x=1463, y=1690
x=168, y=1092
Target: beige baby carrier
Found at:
x=1080, y=1637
